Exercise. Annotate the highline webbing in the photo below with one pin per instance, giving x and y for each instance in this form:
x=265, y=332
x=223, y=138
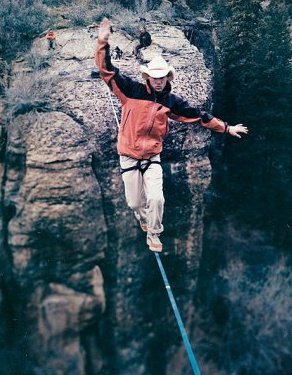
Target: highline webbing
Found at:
x=183, y=332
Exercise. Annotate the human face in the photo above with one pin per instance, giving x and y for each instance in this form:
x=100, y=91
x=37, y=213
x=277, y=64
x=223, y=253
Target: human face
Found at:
x=158, y=84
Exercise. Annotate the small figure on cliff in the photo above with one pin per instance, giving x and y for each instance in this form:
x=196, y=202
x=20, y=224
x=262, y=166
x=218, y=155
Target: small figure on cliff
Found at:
x=144, y=39
x=144, y=124
x=51, y=38
x=117, y=53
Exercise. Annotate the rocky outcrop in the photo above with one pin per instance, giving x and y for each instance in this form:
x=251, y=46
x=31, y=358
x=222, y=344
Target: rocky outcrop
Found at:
x=86, y=294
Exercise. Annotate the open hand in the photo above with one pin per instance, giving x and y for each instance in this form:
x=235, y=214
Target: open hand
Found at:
x=237, y=129
x=104, y=29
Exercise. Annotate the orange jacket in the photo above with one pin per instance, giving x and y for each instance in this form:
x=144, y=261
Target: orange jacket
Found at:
x=51, y=35
x=145, y=113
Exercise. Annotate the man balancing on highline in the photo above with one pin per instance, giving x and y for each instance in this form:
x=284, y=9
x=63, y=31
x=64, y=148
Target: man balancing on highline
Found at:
x=144, y=124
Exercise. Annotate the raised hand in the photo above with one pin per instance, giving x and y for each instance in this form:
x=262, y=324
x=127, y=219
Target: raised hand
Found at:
x=104, y=29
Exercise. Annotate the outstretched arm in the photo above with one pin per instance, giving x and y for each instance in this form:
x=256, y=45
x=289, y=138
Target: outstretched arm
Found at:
x=182, y=111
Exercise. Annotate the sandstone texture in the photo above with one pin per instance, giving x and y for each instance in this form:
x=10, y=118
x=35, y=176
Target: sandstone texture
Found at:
x=78, y=284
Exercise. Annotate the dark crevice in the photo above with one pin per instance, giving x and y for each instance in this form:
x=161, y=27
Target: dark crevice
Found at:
x=94, y=169
x=106, y=268
x=24, y=108
x=61, y=162
x=10, y=353
x=7, y=213
x=3, y=143
x=70, y=114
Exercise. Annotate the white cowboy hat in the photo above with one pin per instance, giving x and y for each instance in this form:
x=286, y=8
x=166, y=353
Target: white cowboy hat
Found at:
x=157, y=68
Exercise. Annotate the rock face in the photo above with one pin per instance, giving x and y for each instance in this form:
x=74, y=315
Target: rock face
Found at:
x=80, y=291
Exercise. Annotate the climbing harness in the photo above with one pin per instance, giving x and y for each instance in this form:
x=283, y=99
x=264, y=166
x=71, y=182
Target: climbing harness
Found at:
x=142, y=167
x=182, y=329
x=143, y=164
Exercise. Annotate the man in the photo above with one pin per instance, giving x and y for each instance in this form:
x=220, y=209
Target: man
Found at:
x=51, y=38
x=145, y=40
x=144, y=124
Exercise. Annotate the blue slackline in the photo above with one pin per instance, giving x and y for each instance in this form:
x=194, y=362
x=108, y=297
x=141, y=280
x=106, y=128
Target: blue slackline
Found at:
x=183, y=332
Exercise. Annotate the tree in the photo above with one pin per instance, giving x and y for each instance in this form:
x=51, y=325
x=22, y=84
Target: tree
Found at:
x=255, y=84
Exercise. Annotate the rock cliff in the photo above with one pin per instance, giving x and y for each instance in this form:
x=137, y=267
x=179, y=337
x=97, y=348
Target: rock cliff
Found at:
x=80, y=292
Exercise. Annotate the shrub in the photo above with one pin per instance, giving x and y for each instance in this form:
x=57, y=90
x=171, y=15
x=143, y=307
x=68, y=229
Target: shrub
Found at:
x=78, y=16
x=256, y=338
x=129, y=22
x=37, y=61
x=20, y=22
x=30, y=91
x=110, y=10
x=141, y=8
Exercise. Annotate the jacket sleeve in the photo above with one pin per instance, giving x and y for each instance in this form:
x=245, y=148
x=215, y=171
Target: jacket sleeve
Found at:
x=121, y=85
x=183, y=112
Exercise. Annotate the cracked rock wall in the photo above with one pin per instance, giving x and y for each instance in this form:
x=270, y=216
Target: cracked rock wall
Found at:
x=85, y=295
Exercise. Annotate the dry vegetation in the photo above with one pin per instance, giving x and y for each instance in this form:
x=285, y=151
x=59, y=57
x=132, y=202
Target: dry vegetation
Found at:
x=255, y=338
x=31, y=90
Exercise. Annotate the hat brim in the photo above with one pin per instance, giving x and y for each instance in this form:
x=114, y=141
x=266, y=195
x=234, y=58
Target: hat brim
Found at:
x=157, y=73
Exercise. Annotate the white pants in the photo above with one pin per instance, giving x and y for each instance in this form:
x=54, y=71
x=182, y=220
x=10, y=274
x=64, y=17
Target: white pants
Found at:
x=144, y=194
